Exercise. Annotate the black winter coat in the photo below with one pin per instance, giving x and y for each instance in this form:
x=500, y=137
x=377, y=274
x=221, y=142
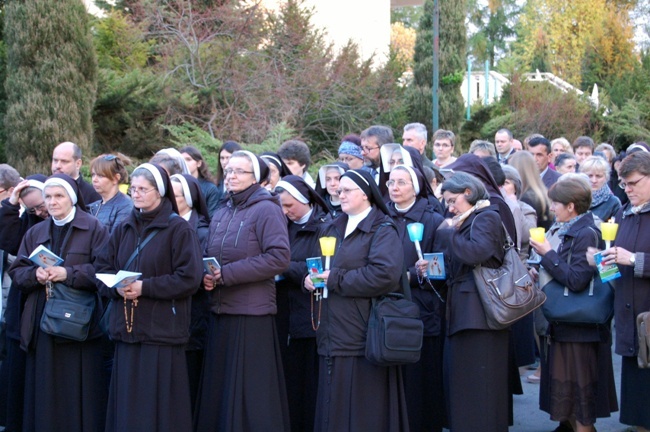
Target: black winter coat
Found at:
x=367, y=263
x=13, y=227
x=485, y=246
x=172, y=268
x=200, y=300
x=297, y=303
x=633, y=287
x=431, y=308
x=575, y=276
x=85, y=240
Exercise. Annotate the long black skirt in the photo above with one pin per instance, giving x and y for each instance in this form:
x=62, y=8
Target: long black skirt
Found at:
x=301, y=373
x=242, y=384
x=476, y=380
x=423, y=387
x=13, y=386
x=355, y=395
x=578, y=382
x=64, y=386
x=149, y=389
x=635, y=402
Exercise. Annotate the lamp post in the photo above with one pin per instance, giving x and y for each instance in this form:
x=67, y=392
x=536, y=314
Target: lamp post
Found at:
x=436, y=66
x=470, y=59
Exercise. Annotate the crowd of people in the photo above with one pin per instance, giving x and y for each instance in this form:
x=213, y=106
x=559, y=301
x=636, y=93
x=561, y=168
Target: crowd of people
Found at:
x=225, y=327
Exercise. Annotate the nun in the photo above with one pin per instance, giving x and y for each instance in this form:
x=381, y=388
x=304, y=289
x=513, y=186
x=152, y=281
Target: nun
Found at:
x=277, y=170
x=193, y=208
x=242, y=383
x=327, y=186
x=150, y=318
x=64, y=380
x=354, y=394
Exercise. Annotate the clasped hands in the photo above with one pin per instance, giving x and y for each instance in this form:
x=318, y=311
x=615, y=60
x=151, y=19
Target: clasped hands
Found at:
x=51, y=274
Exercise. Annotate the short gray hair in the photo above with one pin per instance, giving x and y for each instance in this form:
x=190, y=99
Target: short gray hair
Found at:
x=512, y=174
x=384, y=134
x=462, y=181
x=9, y=177
x=483, y=145
x=418, y=128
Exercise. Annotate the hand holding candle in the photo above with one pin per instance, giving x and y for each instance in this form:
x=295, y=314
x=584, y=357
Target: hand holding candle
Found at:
x=538, y=234
x=416, y=231
x=327, y=247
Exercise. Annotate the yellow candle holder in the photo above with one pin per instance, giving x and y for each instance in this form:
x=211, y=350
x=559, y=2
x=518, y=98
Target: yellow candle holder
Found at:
x=609, y=230
x=538, y=234
x=327, y=246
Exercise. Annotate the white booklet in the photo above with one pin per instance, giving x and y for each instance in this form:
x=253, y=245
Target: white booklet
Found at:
x=119, y=280
x=45, y=257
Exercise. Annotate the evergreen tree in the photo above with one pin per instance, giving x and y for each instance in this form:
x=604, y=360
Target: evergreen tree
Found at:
x=453, y=41
x=51, y=80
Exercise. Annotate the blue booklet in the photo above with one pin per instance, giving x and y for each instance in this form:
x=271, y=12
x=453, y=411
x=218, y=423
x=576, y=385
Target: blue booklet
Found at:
x=436, y=267
x=45, y=258
x=606, y=272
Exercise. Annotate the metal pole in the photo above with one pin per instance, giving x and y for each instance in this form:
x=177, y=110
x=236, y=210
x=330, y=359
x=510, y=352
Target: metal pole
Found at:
x=469, y=86
x=487, y=83
x=436, y=66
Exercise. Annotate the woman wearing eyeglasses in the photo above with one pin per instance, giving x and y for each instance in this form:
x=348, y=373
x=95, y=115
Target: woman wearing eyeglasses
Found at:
x=108, y=172
x=150, y=318
x=422, y=380
x=242, y=383
x=64, y=387
x=354, y=394
x=443, y=147
x=632, y=247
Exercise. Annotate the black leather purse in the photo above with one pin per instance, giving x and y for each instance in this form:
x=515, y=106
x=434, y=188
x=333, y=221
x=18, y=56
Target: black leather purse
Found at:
x=68, y=312
x=593, y=305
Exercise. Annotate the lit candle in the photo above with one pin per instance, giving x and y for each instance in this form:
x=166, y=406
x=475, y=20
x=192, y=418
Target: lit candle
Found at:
x=327, y=246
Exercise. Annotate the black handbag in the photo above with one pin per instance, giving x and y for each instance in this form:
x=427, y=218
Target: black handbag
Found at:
x=68, y=312
x=594, y=305
x=507, y=293
x=395, y=330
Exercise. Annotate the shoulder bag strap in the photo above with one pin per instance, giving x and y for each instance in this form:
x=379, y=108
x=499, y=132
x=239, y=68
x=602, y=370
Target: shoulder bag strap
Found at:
x=141, y=246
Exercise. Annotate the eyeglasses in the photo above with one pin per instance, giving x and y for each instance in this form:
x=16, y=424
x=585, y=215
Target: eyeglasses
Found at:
x=109, y=157
x=400, y=183
x=237, y=172
x=631, y=184
x=443, y=145
x=345, y=191
x=368, y=149
x=35, y=209
x=140, y=190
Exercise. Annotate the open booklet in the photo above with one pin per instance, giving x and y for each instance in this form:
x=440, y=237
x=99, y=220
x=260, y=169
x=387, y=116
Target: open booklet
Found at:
x=119, y=280
x=45, y=258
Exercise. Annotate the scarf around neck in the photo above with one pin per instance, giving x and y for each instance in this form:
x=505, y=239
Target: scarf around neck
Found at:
x=601, y=195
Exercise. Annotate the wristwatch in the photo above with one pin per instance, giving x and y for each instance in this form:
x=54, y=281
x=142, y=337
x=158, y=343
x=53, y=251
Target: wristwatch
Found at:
x=632, y=259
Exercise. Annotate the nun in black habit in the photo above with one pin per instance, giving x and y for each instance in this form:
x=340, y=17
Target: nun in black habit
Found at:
x=298, y=311
x=64, y=380
x=354, y=394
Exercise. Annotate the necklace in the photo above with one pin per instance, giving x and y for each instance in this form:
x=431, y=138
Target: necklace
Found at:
x=320, y=305
x=129, y=323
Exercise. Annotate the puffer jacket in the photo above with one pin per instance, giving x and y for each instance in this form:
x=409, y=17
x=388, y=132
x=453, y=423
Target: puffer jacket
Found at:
x=248, y=236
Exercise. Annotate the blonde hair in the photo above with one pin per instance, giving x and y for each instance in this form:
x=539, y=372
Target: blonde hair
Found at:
x=530, y=179
x=595, y=163
x=566, y=145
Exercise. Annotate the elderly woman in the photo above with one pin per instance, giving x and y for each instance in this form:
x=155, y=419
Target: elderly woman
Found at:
x=108, y=172
x=479, y=382
x=299, y=312
x=422, y=380
x=193, y=208
x=354, y=394
x=150, y=318
x=604, y=203
x=329, y=177
x=565, y=163
x=577, y=383
x=242, y=384
x=64, y=387
x=559, y=146
x=633, y=288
